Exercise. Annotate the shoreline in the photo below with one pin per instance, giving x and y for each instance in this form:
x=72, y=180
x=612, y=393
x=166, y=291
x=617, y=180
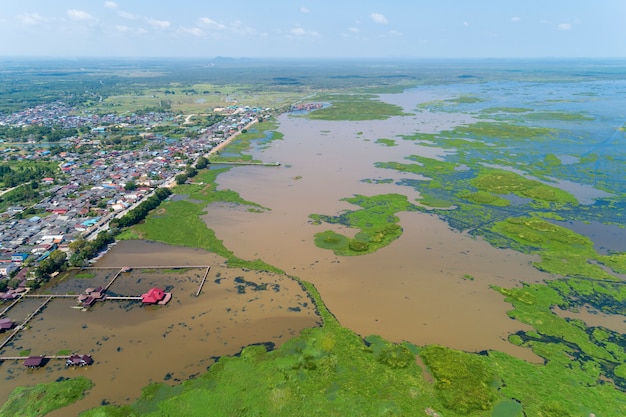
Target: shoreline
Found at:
x=228, y=140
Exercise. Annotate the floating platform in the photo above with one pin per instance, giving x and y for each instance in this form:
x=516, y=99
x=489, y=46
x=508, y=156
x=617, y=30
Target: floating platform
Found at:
x=166, y=299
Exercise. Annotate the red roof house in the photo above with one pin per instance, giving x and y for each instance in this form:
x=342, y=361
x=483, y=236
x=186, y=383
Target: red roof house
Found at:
x=153, y=296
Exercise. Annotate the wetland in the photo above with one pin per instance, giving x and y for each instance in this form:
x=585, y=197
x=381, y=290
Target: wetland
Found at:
x=449, y=228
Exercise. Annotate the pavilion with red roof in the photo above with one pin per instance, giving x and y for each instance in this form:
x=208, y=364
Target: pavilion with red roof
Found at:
x=156, y=296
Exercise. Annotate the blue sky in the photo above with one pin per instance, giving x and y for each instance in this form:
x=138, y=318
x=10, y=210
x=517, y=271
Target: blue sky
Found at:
x=314, y=28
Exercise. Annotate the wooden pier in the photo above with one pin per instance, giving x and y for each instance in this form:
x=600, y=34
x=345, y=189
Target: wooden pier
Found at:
x=102, y=297
x=21, y=358
x=206, y=273
x=50, y=295
x=121, y=298
x=144, y=267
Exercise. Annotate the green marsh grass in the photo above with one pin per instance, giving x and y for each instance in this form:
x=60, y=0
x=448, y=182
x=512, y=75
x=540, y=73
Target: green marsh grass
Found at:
x=386, y=142
x=41, y=399
x=354, y=107
x=562, y=251
x=506, y=182
x=243, y=142
x=84, y=275
x=376, y=221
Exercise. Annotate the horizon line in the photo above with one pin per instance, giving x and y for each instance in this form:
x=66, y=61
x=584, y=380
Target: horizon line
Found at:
x=330, y=58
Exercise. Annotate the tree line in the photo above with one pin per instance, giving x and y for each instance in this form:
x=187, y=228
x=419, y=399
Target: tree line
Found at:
x=36, y=133
x=14, y=177
x=140, y=212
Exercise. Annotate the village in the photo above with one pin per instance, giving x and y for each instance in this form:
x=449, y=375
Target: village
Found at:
x=96, y=183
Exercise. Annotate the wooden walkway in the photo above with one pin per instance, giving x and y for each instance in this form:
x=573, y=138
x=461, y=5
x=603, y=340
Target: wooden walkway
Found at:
x=145, y=267
x=21, y=358
x=50, y=295
x=17, y=300
x=121, y=298
x=24, y=323
x=113, y=279
x=206, y=273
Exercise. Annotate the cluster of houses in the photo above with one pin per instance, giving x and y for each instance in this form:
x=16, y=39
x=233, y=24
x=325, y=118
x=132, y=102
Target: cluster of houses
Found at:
x=60, y=114
x=72, y=360
x=92, y=187
x=79, y=360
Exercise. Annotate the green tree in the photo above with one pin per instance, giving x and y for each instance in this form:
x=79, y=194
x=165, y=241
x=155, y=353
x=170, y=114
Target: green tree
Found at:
x=191, y=171
x=58, y=258
x=77, y=259
x=202, y=163
x=180, y=179
x=130, y=185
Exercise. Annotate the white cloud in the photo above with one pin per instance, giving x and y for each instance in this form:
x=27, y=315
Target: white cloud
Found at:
x=212, y=23
x=125, y=15
x=379, y=18
x=163, y=24
x=234, y=28
x=303, y=32
x=353, y=30
x=192, y=31
x=78, y=14
x=466, y=24
x=564, y=26
x=516, y=19
x=239, y=28
x=126, y=29
x=31, y=18
x=110, y=5
x=305, y=10
x=395, y=33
